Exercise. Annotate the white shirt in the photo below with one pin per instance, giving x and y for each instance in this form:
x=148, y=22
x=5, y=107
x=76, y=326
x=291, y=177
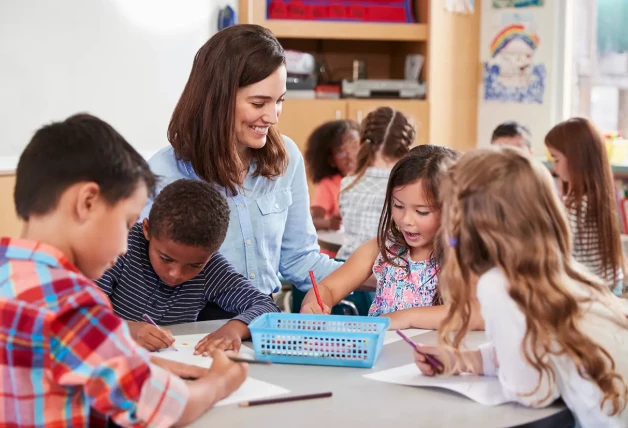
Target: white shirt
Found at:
x=506, y=327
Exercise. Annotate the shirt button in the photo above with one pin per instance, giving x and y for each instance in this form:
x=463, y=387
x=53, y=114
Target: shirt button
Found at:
x=241, y=206
x=277, y=206
x=248, y=242
x=252, y=276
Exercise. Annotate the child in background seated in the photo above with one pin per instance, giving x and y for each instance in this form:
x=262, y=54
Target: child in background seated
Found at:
x=581, y=163
x=171, y=270
x=403, y=257
x=554, y=329
x=330, y=155
x=66, y=358
x=513, y=134
x=385, y=137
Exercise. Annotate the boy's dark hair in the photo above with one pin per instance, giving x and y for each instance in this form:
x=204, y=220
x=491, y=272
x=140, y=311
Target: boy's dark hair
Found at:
x=79, y=149
x=322, y=141
x=190, y=212
x=512, y=129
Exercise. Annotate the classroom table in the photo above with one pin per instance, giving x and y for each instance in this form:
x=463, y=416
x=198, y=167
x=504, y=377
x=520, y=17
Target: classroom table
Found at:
x=358, y=402
x=331, y=240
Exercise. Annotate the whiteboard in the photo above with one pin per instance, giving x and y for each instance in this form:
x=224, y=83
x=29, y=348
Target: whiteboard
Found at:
x=125, y=61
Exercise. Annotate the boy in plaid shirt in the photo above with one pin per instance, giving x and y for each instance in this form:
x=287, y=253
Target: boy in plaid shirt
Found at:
x=65, y=357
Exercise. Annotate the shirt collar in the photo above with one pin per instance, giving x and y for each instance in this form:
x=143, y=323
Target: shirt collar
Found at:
x=23, y=249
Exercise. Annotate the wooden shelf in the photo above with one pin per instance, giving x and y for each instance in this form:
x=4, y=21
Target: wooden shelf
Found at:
x=254, y=12
x=325, y=30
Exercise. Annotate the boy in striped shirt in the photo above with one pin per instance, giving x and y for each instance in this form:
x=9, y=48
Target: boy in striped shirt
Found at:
x=172, y=270
x=65, y=358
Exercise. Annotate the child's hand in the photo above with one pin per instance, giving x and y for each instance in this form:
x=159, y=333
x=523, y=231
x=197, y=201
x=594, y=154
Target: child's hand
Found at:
x=437, y=354
x=314, y=308
x=149, y=336
x=335, y=222
x=184, y=371
x=228, y=337
x=232, y=374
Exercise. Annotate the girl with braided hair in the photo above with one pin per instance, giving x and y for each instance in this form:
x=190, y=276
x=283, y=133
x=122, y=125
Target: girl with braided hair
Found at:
x=405, y=256
x=554, y=329
x=385, y=137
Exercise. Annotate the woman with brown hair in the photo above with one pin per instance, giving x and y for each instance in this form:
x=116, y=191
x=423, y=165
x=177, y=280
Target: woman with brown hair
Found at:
x=223, y=131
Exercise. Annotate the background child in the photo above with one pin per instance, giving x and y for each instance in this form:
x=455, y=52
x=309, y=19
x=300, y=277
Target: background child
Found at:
x=512, y=134
x=385, y=137
x=581, y=163
x=330, y=155
x=172, y=270
x=403, y=257
x=65, y=355
x=554, y=329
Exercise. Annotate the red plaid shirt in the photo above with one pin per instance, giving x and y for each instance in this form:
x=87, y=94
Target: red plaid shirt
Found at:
x=65, y=354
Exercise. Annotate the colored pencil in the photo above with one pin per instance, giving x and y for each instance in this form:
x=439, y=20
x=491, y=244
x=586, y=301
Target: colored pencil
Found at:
x=150, y=321
x=436, y=365
x=318, y=295
x=285, y=399
x=246, y=360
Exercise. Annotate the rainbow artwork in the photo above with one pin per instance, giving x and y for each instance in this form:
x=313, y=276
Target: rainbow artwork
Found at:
x=509, y=33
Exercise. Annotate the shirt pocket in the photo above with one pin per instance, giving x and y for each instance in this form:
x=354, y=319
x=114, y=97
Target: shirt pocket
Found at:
x=273, y=208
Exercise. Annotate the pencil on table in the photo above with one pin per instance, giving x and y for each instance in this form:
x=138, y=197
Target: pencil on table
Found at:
x=285, y=399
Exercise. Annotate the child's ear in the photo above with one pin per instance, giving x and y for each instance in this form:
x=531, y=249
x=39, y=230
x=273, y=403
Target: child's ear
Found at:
x=145, y=229
x=88, y=196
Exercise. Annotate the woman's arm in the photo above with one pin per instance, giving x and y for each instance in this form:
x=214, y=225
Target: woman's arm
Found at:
x=344, y=280
x=300, y=252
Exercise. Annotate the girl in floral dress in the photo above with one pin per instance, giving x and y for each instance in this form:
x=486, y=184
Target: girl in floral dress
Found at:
x=405, y=256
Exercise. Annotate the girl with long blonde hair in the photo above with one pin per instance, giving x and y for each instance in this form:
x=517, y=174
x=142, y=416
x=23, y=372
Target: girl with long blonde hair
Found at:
x=554, y=329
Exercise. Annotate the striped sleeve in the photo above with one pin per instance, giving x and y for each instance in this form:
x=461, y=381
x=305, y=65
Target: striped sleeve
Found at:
x=109, y=280
x=233, y=292
x=92, y=348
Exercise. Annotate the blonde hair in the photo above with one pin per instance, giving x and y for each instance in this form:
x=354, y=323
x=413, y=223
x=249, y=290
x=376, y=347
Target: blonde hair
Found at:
x=499, y=209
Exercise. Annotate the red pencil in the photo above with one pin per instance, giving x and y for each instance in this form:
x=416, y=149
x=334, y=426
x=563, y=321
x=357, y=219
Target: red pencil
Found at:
x=318, y=295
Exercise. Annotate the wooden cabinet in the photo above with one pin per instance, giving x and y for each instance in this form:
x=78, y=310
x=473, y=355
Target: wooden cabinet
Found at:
x=10, y=225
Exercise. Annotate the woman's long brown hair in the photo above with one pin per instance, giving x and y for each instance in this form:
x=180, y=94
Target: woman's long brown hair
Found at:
x=384, y=129
x=522, y=230
x=590, y=178
x=201, y=130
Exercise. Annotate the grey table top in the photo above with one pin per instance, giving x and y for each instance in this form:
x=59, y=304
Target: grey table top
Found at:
x=361, y=402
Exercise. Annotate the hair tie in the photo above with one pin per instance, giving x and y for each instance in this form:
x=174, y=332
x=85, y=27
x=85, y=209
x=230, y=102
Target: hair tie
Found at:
x=453, y=242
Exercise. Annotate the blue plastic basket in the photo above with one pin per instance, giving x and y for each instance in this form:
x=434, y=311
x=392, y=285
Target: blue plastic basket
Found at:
x=326, y=340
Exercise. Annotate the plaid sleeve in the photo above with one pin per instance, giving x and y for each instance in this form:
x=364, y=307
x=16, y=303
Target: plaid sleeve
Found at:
x=91, y=348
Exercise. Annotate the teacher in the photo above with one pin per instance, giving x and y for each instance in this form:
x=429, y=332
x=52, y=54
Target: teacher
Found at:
x=223, y=130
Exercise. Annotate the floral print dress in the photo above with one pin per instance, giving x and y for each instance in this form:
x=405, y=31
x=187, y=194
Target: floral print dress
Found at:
x=397, y=289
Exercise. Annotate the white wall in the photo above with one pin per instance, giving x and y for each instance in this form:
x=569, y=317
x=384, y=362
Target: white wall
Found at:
x=552, y=50
x=125, y=61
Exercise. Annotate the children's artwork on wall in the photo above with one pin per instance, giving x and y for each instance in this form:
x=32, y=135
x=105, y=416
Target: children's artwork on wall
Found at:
x=516, y=3
x=460, y=6
x=510, y=75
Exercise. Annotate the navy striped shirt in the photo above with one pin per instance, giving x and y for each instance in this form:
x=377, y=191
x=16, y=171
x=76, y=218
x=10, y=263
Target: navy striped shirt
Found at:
x=135, y=289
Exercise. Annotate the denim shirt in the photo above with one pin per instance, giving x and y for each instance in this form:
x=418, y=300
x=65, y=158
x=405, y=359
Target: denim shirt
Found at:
x=270, y=226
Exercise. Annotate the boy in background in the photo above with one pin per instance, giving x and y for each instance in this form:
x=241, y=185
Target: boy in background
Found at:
x=513, y=134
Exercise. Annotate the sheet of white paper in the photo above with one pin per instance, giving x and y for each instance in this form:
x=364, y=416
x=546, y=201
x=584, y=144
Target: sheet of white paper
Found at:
x=251, y=389
x=392, y=336
x=483, y=389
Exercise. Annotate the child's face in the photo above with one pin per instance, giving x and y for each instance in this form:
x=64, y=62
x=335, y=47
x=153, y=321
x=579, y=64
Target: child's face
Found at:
x=103, y=231
x=516, y=141
x=560, y=164
x=414, y=217
x=345, y=156
x=175, y=263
